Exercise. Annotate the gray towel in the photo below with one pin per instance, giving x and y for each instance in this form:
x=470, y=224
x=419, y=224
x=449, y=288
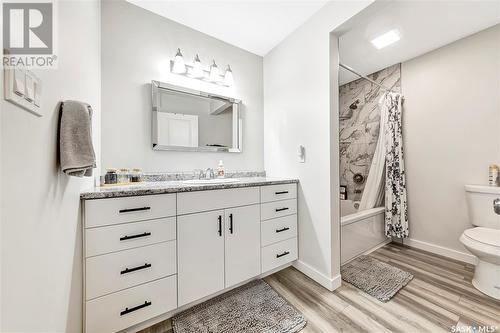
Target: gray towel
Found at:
x=75, y=139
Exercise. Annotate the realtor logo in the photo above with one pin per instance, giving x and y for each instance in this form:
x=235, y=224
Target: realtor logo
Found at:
x=28, y=35
x=27, y=28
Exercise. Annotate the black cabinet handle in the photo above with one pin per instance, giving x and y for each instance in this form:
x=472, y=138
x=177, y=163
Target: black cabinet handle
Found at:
x=281, y=192
x=135, y=308
x=282, y=209
x=231, y=223
x=220, y=225
x=129, y=210
x=135, y=236
x=130, y=270
x=283, y=254
x=281, y=230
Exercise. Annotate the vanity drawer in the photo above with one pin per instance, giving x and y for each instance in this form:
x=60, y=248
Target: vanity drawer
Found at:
x=110, y=314
x=278, y=192
x=100, y=212
x=114, y=238
x=116, y=271
x=276, y=209
x=278, y=254
x=277, y=230
x=199, y=201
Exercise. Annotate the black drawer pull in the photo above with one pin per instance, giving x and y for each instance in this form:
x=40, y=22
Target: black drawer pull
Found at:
x=129, y=210
x=231, y=223
x=135, y=236
x=135, y=308
x=130, y=270
x=220, y=226
x=281, y=230
x=281, y=192
x=282, y=209
x=283, y=254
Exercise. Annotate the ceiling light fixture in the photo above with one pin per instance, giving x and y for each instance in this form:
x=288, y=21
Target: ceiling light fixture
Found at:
x=386, y=39
x=178, y=67
x=228, y=76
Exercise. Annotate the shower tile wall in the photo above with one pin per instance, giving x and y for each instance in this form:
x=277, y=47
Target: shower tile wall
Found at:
x=359, y=128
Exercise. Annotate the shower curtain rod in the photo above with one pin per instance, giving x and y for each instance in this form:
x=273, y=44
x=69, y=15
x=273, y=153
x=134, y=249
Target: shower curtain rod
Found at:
x=364, y=77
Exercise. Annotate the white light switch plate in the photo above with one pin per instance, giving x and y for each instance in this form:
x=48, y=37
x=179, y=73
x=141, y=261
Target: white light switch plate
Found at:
x=23, y=88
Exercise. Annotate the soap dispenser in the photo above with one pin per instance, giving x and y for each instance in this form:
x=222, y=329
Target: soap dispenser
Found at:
x=220, y=170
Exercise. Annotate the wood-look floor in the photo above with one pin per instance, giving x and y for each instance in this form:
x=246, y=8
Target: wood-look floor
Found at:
x=439, y=297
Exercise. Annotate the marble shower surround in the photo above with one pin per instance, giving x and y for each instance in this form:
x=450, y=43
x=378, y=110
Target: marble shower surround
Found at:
x=359, y=128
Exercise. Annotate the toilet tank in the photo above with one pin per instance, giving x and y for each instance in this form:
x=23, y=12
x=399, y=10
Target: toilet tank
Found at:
x=480, y=205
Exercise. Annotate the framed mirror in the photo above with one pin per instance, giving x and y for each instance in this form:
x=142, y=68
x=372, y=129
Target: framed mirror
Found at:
x=190, y=120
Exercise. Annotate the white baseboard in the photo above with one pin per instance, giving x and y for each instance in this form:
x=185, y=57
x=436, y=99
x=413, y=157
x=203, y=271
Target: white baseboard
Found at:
x=443, y=251
x=329, y=283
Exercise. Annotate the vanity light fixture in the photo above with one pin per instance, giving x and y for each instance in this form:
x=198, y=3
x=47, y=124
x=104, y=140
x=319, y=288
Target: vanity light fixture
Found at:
x=178, y=66
x=386, y=39
x=228, y=76
x=197, y=71
x=214, y=73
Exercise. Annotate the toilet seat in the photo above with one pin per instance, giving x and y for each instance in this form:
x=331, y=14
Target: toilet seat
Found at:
x=483, y=242
x=483, y=235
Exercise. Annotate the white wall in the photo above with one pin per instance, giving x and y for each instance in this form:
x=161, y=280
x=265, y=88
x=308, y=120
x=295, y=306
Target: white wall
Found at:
x=133, y=55
x=297, y=111
x=451, y=133
x=41, y=238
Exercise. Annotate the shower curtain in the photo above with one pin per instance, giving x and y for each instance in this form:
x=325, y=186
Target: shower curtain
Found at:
x=390, y=184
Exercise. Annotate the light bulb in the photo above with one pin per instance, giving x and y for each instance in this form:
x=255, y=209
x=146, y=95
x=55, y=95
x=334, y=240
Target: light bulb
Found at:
x=214, y=73
x=197, y=71
x=228, y=77
x=179, y=67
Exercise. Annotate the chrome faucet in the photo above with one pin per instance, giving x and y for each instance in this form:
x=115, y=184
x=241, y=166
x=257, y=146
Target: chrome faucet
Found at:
x=207, y=174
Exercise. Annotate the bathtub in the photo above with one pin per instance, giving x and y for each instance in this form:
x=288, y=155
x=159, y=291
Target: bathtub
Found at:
x=361, y=231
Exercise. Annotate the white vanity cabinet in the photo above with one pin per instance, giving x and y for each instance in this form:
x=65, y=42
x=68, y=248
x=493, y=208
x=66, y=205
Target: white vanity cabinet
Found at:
x=219, y=248
x=130, y=262
x=153, y=255
x=201, y=255
x=242, y=244
x=278, y=226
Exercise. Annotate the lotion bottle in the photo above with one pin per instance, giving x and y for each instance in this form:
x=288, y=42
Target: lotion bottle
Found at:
x=220, y=170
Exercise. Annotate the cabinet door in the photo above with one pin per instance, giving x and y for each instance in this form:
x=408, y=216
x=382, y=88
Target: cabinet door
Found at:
x=242, y=251
x=200, y=239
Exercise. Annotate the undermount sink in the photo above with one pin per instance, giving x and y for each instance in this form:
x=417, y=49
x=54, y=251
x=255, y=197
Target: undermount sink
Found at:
x=211, y=181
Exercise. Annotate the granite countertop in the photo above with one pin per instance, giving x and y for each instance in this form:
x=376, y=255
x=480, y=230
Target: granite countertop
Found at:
x=161, y=187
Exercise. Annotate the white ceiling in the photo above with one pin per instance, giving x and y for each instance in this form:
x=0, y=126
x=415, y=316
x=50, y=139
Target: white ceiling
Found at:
x=255, y=26
x=424, y=26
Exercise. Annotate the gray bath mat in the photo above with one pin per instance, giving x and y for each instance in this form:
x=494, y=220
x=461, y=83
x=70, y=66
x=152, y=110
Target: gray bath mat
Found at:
x=375, y=277
x=252, y=308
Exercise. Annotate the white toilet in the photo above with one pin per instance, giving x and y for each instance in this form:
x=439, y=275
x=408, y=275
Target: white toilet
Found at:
x=483, y=240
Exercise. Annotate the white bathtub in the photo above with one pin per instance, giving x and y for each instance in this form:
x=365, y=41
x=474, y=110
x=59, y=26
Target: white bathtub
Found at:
x=361, y=231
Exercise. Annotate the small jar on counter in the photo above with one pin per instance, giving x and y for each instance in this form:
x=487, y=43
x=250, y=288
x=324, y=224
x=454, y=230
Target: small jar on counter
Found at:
x=136, y=176
x=111, y=177
x=123, y=176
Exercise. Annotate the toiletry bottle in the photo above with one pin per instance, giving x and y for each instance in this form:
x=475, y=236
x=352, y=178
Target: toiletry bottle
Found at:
x=493, y=175
x=220, y=170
